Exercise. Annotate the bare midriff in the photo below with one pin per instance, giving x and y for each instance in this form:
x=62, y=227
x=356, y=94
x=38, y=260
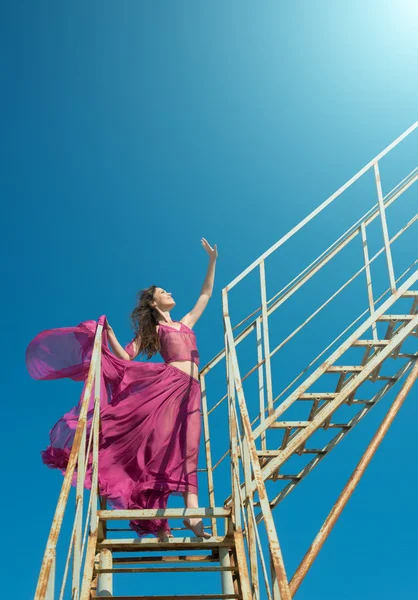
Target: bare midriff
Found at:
x=187, y=366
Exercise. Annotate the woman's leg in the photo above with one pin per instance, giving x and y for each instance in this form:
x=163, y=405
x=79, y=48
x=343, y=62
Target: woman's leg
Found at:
x=196, y=523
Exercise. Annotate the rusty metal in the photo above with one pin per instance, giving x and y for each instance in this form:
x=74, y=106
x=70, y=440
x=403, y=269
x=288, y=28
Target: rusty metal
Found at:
x=169, y=513
x=89, y=566
x=259, y=484
x=334, y=404
x=66, y=485
x=251, y=326
x=208, y=453
x=326, y=403
x=336, y=355
x=266, y=338
x=78, y=518
x=105, y=580
x=244, y=581
x=253, y=537
x=70, y=550
x=246, y=562
x=225, y=568
x=351, y=485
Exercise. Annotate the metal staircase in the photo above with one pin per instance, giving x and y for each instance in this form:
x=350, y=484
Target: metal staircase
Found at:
x=266, y=442
x=220, y=550
x=321, y=407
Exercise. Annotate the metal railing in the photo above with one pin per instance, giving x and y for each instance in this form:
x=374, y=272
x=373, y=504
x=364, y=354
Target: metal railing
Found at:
x=86, y=527
x=82, y=524
x=247, y=482
x=247, y=475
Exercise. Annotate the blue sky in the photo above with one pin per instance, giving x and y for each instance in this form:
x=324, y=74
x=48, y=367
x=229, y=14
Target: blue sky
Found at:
x=132, y=129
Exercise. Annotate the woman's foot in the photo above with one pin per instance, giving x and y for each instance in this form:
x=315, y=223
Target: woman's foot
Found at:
x=196, y=525
x=164, y=533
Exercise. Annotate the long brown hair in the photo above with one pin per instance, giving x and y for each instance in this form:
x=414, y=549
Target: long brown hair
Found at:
x=144, y=322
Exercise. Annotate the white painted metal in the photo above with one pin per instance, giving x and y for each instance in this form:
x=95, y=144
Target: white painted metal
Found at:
x=266, y=339
x=226, y=576
x=335, y=356
x=50, y=591
x=105, y=580
x=384, y=227
x=320, y=208
x=258, y=464
x=368, y=277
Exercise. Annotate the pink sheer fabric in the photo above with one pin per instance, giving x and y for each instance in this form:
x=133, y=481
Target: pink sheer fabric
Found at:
x=178, y=344
x=150, y=418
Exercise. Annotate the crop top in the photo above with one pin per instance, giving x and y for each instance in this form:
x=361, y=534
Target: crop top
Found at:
x=176, y=344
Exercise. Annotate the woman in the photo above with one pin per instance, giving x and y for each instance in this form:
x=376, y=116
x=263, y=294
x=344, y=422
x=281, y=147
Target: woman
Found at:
x=150, y=412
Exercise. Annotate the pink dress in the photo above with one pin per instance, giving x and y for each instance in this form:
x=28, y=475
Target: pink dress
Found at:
x=150, y=416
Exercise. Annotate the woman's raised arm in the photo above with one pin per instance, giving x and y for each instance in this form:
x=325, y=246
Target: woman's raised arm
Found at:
x=207, y=288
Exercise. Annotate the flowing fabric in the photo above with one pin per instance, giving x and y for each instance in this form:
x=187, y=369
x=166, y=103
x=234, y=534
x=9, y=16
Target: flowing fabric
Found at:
x=150, y=419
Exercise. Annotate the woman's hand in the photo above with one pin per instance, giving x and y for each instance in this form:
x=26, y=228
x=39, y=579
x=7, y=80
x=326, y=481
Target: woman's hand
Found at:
x=213, y=252
x=108, y=327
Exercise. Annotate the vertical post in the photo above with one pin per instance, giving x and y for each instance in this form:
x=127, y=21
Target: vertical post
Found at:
x=384, y=228
x=260, y=380
x=79, y=517
x=105, y=580
x=95, y=461
x=211, y=491
x=266, y=337
x=275, y=585
x=94, y=525
x=50, y=590
x=235, y=520
x=226, y=576
x=368, y=277
x=236, y=508
x=66, y=485
x=251, y=538
x=272, y=537
x=102, y=526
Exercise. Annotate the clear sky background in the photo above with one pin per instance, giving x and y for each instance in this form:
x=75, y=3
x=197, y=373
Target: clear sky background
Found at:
x=132, y=129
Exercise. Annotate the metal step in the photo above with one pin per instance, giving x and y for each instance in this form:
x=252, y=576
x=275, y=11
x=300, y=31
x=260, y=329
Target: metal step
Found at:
x=322, y=418
x=182, y=597
x=370, y=343
x=395, y=318
x=267, y=453
x=144, y=560
x=410, y=294
x=165, y=569
x=345, y=369
x=175, y=543
x=318, y=396
x=167, y=513
x=302, y=424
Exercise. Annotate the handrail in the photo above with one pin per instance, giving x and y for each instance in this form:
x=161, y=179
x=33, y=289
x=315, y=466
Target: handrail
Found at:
x=320, y=208
x=45, y=585
x=256, y=473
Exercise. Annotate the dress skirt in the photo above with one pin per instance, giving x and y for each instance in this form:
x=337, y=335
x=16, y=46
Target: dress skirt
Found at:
x=150, y=421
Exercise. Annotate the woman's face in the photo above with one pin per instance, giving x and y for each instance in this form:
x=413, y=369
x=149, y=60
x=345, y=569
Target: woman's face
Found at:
x=163, y=299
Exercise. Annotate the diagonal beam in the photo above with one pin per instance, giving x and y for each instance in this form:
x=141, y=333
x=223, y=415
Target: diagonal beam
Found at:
x=349, y=488
x=273, y=540
x=334, y=404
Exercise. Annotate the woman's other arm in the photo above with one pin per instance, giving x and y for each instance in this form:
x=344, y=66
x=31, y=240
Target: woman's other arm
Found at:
x=117, y=349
